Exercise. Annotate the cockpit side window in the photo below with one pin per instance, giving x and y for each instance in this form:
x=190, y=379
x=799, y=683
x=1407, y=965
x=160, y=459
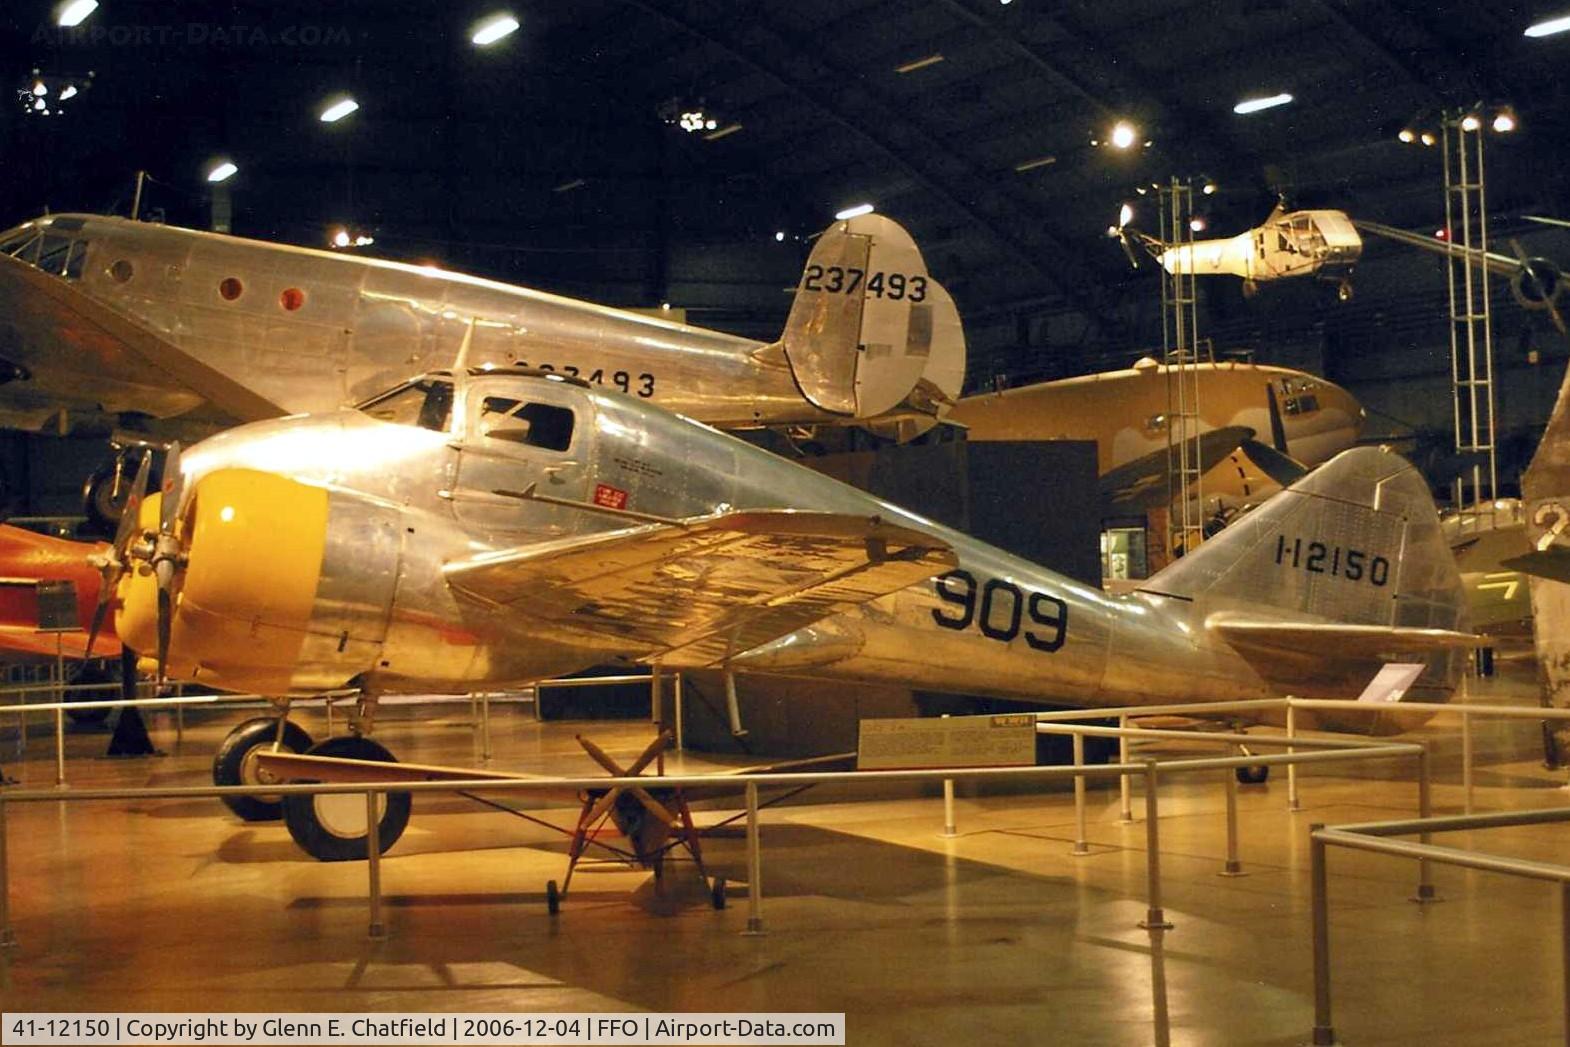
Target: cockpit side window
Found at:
x=14, y=244
x=533, y=424
x=426, y=403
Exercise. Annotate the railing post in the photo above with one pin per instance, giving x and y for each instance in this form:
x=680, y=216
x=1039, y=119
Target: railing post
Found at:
x=949, y=831
x=1234, y=867
x=1292, y=799
x=1324, y=1033
x=60, y=746
x=1126, y=808
x=1155, y=919
x=373, y=862
x=7, y=938
x=1466, y=759
x=1425, y=885
x=681, y=714
x=657, y=712
x=754, y=865
x=1081, y=848
x=485, y=726
x=1564, y=921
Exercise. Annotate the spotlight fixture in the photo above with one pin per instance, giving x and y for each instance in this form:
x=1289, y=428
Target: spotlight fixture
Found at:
x=74, y=12
x=779, y=236
x=1209, y=188
x=1548, y=27
x=1471, y=122
x=221, y=171
x=1123, y=135
x=1407, y=135
x=1197, y=223
x=1427, y=138
x=338, y=109
x=1504, y=120
x=1254, y=105
x=491, y=29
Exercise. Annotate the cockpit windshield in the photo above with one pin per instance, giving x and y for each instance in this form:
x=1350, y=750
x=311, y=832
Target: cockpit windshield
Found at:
x=426, y=402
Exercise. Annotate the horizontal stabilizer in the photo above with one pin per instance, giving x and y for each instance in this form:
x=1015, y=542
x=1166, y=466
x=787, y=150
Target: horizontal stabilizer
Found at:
x=1552, y=563
x=697, y=592
x=1314, y=639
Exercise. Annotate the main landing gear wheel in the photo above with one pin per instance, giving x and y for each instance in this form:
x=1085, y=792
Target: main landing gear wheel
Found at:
x=331, y=827
x=235, y=764
x=1257, y=775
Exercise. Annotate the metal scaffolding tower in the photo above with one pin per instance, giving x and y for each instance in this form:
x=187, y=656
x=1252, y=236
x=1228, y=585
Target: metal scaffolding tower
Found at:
x=1180, y=354
x=1471, y=323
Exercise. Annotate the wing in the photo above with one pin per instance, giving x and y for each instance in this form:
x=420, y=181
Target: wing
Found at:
x=1140, y=485
x=81, y=354
x=1552, y=563
x=698, y=591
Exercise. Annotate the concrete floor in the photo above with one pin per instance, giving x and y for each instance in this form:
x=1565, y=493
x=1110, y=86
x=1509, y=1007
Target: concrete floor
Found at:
x=998, y=935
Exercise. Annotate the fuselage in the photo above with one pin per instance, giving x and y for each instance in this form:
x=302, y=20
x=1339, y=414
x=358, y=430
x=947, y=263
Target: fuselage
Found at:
x=235, y=329
x=396, y=502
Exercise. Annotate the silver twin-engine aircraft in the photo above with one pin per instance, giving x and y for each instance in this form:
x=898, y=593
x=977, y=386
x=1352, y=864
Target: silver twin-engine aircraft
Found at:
x=109, y=322
x=475, y=528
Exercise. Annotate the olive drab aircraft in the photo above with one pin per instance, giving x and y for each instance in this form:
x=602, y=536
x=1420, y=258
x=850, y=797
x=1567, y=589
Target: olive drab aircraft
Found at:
x=1323, y=244
x=476, y=528
x=116, y=324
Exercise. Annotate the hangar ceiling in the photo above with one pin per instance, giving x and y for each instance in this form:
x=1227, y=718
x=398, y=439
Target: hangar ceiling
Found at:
x=545, y=159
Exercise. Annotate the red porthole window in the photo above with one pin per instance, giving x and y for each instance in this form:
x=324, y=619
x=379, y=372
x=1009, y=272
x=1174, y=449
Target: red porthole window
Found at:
x=291, y=298
x=230, y=288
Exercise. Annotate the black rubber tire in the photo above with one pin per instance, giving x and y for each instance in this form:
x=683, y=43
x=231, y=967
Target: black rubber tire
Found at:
x=100, y=504
x=229, y=764
x=552, y=897
x=717, y=892
x=95, y=671
x=324, y=842
x=1256, y=775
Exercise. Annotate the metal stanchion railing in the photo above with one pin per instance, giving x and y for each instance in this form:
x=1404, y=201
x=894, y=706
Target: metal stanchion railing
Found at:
x=754, y=864
x=7, y=936
x=949, y=829
x=1293, y=803
x=1126, y=801
x=1466, y=760
x=1425, y=801
x=1375, y=837
x=1155, y=917
x=1234, y=866
x=1081, y=847
x=373, y=864
x=678, y=701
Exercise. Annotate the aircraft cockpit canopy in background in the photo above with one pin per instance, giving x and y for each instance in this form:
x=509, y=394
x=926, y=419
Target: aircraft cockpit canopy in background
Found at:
x=52, y=249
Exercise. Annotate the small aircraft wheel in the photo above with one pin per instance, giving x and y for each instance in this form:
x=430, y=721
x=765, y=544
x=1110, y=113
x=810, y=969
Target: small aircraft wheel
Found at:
x=331, y=827
x=552, y=897
x=92, y=672
x=235, y=764
x=1256, y=775
x=717, y=892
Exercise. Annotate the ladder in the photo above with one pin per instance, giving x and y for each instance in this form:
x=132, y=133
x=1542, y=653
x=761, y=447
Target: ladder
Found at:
x=1471, y=322
x=1180, y=354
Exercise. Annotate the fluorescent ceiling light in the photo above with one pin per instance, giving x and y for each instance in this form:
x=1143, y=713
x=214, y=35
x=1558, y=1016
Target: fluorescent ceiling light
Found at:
x=566, y=187
x=338, y=110
x=1254, y=105
x=1031, y=165
x=76, y=11
x=1545, y=28
x=920, y=63
x=852, y=212
x=68, y=93
x=728, y=129
x=221, y=171
x=493, y=29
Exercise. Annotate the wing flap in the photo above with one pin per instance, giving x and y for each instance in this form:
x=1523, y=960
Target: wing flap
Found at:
x=698, y=591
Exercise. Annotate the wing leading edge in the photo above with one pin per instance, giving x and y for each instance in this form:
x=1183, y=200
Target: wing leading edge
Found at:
x=699, y=591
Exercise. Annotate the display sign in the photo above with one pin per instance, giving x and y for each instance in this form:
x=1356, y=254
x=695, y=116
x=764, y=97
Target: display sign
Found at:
x=1390, y=683
x=57, y=607
x=947, y=741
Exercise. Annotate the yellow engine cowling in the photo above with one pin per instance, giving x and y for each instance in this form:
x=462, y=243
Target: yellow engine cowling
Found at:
x=242, y=604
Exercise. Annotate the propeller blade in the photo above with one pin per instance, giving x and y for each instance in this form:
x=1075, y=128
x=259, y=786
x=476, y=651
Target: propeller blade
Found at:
x=650, y=753
x=172, y=486
x=602, y=758
x=602, y=806
x=1278, y=431
x=101, y=612
x=1281, y=468
x=654, y=807
x=130, y=516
